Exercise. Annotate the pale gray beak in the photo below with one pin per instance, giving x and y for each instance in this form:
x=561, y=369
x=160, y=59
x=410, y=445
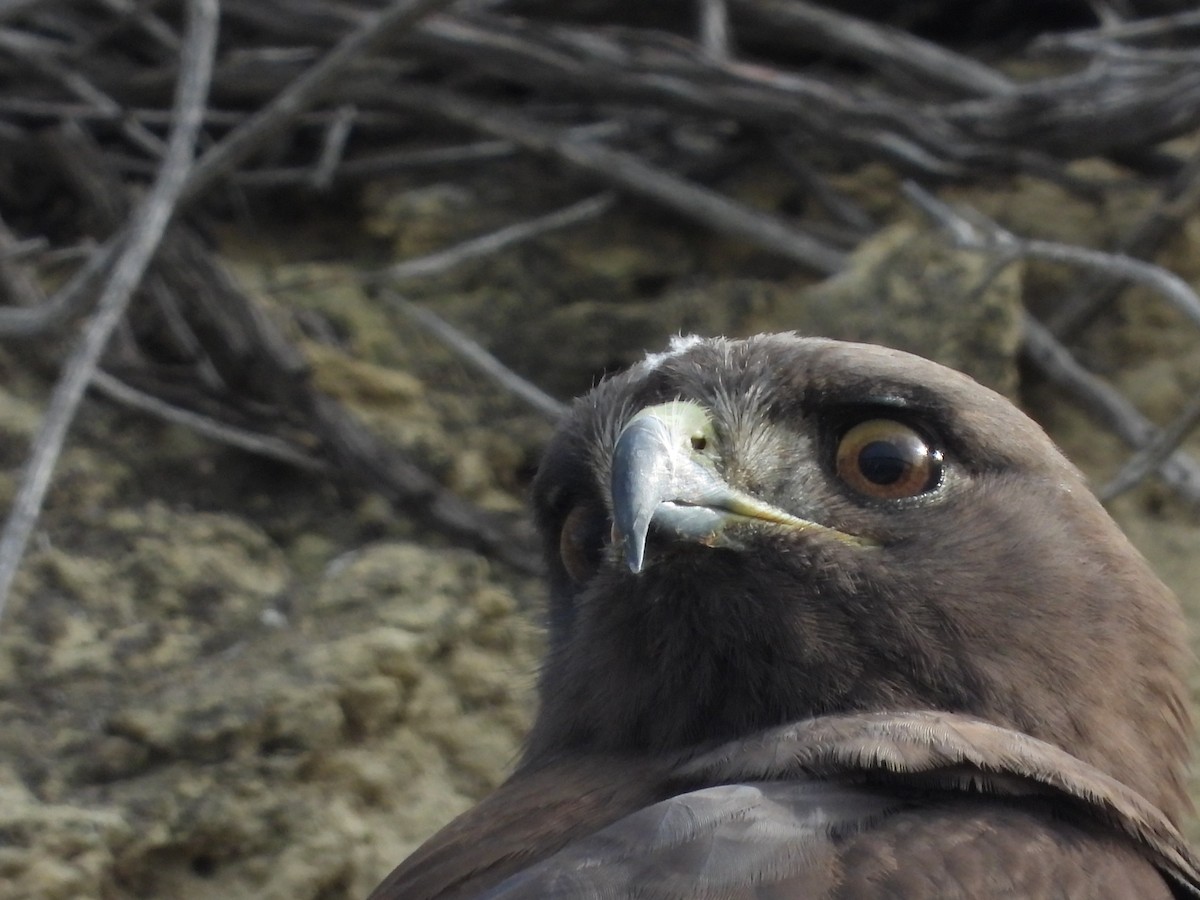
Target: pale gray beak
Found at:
x=664, y=473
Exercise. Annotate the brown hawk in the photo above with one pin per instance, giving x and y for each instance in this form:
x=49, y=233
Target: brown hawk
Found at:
x=829, y=620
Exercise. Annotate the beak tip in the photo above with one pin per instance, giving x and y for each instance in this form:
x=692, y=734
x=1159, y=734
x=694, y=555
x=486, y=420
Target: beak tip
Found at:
x=635, y=553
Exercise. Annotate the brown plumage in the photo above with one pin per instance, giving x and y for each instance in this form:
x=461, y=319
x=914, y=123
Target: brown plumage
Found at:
x=828, y=620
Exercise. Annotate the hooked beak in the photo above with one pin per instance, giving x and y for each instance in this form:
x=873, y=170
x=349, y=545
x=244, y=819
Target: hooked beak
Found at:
x=664, y=473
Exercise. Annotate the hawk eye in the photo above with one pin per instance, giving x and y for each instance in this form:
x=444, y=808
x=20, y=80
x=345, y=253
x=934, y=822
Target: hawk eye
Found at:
x=581, y=541
x=887, y=460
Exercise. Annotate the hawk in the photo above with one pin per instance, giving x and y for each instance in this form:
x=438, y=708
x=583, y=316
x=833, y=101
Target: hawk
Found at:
x=829, y=620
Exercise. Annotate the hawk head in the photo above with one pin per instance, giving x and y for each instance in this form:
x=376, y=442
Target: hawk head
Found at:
x=743, y=533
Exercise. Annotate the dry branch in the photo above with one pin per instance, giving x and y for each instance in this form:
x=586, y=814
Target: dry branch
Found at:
x=1100, y=399
x=252, y=442
x=973, y=231
x=1179, y=198
x=147, y=226
x=315, y=94
x=624, y=170
x=485, y=245
x=278, y=115
x=885, y=48
x=1155, y=453
x=475, y=355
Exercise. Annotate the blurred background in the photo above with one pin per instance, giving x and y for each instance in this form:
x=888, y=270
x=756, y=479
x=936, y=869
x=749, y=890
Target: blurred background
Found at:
x=292, y=292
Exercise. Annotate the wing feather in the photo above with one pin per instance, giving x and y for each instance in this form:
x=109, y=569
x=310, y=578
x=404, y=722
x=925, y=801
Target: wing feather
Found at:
x=725, y=841
x=918, y=804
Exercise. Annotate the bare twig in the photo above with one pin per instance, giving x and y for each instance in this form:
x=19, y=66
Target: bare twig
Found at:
x=714, y=28
x=1152, y=455
x=372, y=165
x=1139, y=29
x=273, y=118
x=1097, y=110
x=162, y=288
x=378, y=164
x=1054, y=361
x=881, y=46
x=15, y=283
x=71, y=253
x=841, y=208
x=630, y=173
x=1119, y=53
x=676, y=74
x=43, y=110
x=334, y=147
x=148, y=23
x=256, y=356
x=237, y=145
x=1178, y=200
x=65, y=302
x=15, y=249
x=388, y=163
x=486, y=245
x=1177, y=291
x=922, y=107
x=973, y=231
x=481, y=359
x=78, y=85
x=149, y=223
x=258, y=444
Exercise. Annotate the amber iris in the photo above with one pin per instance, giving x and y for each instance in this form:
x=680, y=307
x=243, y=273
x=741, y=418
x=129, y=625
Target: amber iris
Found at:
x=887, y=460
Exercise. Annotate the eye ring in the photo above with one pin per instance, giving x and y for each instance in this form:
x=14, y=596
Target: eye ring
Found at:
x=581, y=541
x=887, y=460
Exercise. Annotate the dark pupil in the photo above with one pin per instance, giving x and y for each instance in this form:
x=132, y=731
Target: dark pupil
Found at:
x=882, y=462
